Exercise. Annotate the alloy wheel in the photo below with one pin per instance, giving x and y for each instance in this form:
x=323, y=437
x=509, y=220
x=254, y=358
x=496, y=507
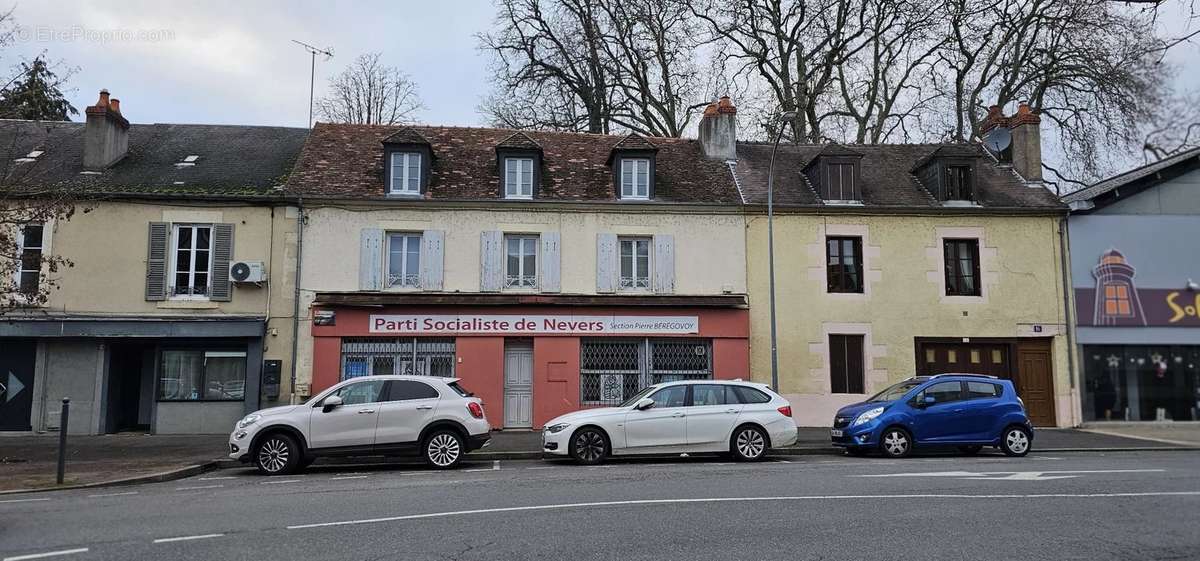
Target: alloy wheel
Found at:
x=895, y=443
x=589, y=446
x=273, y=455
x=443, y=449
x=1017, y=441
x=750, y=444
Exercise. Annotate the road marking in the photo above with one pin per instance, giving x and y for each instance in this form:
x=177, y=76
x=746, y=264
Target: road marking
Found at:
x=187, y=538
x=198, y=487
x=113, y=494
x=746, y=499
x=280, y=481
x=23, y=500
x=476, y=469
x=542, y=467
x=1147, y=438
x=1012, y=475
x=496, y=465
x=47, y=554
x=217, y=478
x=347, y=477
x=783, y=461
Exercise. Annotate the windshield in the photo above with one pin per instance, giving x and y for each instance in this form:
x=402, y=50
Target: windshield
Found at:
x=645, y=391
x=895, y=392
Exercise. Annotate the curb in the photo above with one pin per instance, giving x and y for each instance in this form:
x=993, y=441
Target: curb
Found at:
x=169, y=475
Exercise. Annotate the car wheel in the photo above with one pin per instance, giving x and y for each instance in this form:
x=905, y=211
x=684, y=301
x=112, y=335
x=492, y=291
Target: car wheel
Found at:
x=748, y=444
x=969, y=450
x=277, y=454
x=1015, y=441
x=857, y=452
x=443, y=449
x=589, y=446
x=895, y=443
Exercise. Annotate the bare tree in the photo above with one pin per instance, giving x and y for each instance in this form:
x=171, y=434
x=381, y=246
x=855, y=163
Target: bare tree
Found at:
x=368, y=92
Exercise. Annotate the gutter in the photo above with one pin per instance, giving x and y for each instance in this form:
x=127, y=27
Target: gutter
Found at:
x=296, y=295
x=1064, y=246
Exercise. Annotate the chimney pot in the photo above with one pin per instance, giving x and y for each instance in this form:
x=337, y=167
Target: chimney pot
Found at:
x=103, y=101
x=115, y=105
x=725, y=105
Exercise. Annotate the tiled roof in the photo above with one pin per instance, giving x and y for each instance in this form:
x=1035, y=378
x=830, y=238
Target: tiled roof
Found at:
x=405, y=135
x=346, y=161
x=634, y=141
x=519, y=141
x=234, y=161
x=887, y=178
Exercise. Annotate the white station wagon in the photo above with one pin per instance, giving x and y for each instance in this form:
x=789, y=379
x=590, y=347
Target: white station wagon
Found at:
x=743, y=419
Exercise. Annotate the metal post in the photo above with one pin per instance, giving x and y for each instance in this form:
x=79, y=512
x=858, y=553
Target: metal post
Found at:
x=62, y=438
x=771, y=252
x=312, y=78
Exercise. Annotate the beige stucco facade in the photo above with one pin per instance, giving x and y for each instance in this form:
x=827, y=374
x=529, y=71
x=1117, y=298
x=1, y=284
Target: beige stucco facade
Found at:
x=903, y=299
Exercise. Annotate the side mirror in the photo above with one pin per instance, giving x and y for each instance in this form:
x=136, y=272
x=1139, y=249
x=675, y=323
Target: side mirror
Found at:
x=332, y=402
x=644, y=404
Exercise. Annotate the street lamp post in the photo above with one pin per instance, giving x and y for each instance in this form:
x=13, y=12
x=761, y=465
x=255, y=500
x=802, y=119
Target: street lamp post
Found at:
x=781, y=121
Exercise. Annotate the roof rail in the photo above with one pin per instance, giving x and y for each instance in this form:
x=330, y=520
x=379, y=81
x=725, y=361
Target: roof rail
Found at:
x=966, y=375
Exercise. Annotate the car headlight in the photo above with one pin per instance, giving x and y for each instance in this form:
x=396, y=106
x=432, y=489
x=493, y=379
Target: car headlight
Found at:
x=249, y=420
x=557, y=428
x=868, y=416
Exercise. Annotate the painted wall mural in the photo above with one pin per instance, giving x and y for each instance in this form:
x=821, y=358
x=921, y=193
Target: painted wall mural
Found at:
x=1117, y=302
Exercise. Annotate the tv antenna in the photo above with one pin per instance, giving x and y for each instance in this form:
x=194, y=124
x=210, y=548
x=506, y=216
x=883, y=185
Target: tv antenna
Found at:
x=314, y=51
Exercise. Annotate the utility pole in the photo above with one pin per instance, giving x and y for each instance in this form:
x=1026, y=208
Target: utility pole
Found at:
x=313, y=51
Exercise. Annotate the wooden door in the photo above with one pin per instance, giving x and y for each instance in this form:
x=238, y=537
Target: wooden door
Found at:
x=964, y=358
x=1035, y=381
x=518, y=385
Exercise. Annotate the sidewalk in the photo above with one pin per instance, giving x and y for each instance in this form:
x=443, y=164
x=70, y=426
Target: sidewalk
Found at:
x=28, y=462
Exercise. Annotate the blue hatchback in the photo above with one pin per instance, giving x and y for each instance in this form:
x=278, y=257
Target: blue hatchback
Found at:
x=968, y=411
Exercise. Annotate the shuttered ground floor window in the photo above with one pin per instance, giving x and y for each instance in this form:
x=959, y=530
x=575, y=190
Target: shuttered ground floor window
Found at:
x=612, y=369
x=377, y=356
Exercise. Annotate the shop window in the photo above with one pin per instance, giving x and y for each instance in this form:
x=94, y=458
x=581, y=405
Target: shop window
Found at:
x=846, y=364
x=200, y=375
x=612, y=369
x=1141, y=383
x=381, y=356
x=1116, y=300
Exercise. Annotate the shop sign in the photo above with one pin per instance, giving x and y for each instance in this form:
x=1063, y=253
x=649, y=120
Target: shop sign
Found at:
x=1116, y=301
x=534, y=324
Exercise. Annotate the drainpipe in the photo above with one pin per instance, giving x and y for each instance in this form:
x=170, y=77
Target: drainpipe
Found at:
x=296, y=295
x=1064, y=243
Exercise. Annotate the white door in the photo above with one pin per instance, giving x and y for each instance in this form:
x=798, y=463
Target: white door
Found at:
x=664, y=424
x=518, y=385
x=711, y=416
x=353, y=422
x=405, y=411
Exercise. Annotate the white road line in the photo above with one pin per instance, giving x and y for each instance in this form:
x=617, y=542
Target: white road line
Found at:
x=217, y=478
x=746, y=499
x=198, y=487
x=113, y=494
x=347, y=477
x=476, y=469
x=187, y=538
x=23, y=501
x=273, y=482
x=47, y=554
x=542, y=467
x=783, y=461
x=496, y=465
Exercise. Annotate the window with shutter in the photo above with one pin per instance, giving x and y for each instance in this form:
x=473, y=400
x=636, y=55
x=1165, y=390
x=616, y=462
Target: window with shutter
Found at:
x=846, y=364
x=156, y=261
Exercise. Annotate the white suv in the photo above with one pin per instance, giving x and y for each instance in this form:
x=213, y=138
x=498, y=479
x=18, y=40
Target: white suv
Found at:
x=376, y=415
x=741, y=418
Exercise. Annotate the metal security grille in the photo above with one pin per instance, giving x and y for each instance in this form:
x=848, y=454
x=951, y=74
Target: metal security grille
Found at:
x=375, y=356
x=611, y=370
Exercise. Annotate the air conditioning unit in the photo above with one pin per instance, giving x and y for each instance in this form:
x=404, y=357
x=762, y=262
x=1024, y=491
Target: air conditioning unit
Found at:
x=247, y=271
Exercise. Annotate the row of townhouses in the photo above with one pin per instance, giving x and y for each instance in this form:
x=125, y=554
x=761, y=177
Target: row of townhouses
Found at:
x=221, y=269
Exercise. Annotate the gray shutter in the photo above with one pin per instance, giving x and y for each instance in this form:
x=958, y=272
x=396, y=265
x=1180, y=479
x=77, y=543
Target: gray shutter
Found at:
x=432, y=242
x=550, y=262
x=606, y=263
x=370, y=259
x=222, y=289
x=491, y=261
x=156, y=261
x=664, y=264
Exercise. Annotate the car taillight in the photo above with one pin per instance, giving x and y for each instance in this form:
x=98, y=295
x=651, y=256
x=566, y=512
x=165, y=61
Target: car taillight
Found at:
x=475, y=409
x=786, y=410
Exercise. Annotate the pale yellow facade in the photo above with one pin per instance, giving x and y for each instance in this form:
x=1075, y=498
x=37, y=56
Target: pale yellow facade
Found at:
x=903, y=298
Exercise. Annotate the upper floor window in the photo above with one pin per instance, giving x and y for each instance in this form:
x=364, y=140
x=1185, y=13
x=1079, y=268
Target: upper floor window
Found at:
x=520, y=269
x=404, y=260
x=635, y=263
x=840, y=182
x=29, y=270
x=962, y=267
x=518, y=178
x=635, y=178
x=956, y=183
x=406, y=173
x=844, y=270
x=191, y=260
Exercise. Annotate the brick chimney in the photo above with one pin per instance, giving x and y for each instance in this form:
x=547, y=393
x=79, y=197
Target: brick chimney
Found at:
x=105, y=135
x=1025, y=152
x=718, y=130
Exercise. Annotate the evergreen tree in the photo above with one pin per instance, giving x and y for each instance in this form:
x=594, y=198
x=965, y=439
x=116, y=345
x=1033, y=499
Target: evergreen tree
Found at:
x=34, y=94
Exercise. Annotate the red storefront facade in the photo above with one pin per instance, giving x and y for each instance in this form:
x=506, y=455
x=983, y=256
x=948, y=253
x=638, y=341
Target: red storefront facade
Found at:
x=538, y=357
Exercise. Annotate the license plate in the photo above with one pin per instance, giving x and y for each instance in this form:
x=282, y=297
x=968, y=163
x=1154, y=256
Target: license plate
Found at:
x=835, y=432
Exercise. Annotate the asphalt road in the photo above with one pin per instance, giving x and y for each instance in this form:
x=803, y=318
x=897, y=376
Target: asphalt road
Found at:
x=1091, y=506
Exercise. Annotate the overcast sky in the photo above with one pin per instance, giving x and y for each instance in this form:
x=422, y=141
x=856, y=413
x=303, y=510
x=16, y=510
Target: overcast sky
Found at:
x=234, y=63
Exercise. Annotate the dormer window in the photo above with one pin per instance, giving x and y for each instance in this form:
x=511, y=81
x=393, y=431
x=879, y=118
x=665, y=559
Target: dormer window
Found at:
x=956, y=183
x=519, y=163
x=635, y=178
x=840, y=182
x=406, y=173
x=518, y=178
x=948, y=174
x=835, y=175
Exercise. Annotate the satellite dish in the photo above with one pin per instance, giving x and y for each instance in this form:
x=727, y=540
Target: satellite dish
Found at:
x=998, y=140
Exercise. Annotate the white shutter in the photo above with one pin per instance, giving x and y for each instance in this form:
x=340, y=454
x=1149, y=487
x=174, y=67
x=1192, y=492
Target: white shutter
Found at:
x=606, y=263
x=550, y=263
x=664, y=264
x=370, y=259
x=432, y=243
x=491, y=261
